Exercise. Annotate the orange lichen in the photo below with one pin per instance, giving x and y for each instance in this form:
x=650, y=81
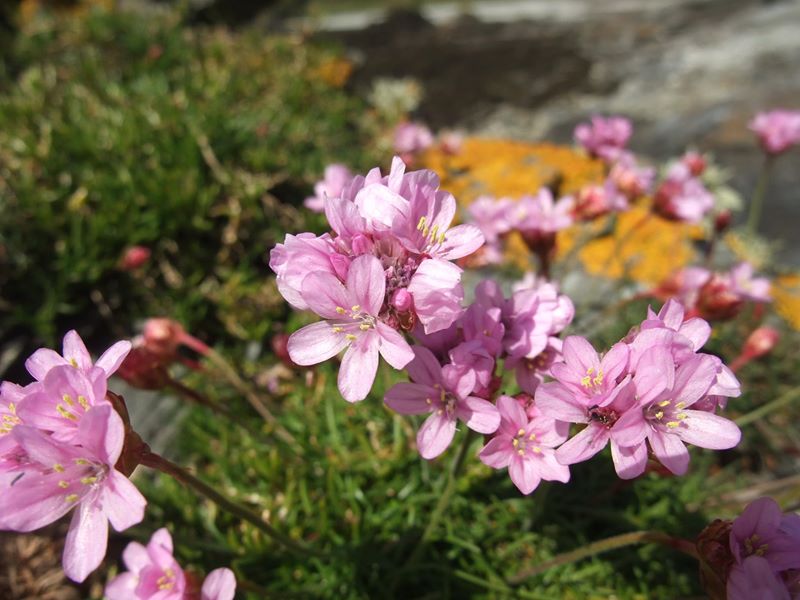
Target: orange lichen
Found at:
x=786, y=293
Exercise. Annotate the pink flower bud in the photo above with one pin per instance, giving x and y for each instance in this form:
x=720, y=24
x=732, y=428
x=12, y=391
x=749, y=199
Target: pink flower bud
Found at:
x=143, y=370
x=722, y=221
x=695, y=162
x=759, y=343
x=134, y=257
x=402, y=300
x=162, y=337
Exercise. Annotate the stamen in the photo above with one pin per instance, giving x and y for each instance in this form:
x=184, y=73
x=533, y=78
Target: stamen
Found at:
x=63, y=484
x=673, y=424
x=88, y=480
x=58, y=468
x=71, y=498
x=65, y=413
x=350, y=336
x=340, y=310
x=338, y=329
x=521, y=432
x=664, y=403
x=83, y=402
x=68, y=400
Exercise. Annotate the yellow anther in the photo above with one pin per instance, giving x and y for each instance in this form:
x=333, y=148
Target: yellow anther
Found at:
x=680, y=405
x=68, y=400
x=660, y=415
x=590, y=370
x=586, y=381
x=532, y=436
x=515, y=442
x=58, y=468
x=338, y=329
x=81, y=461
x=350, y=336
x=364, y=327
x=681, y=416
x=71, y=498
x=521, y=432
x=340, y=310
x=63, y=484
x=664, y=403
x=73, y=362
x=441, y=238
x=88, y=480
x=355, y=308
x=537, y=450
x=421, y=223
x=12, y=408
x=83, y=402
x=599, y=378
x=673, y=424
x=435, y=231
x=65, y=413
x=521, y=452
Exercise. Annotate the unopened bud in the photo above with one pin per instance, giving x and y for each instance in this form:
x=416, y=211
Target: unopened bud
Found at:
x=402, y=300
x=695, y=162
x=162, y=337
x=280, y=346
x=143, y=370
x=134, y=257
x=759, y=343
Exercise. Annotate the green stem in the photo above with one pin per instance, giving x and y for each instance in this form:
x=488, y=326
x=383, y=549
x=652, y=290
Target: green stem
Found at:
x=767, y=408
x=154, y=461
x=612, y=543
x=757, y=202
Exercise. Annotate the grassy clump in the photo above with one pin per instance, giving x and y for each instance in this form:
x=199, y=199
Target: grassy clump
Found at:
x=118, y=130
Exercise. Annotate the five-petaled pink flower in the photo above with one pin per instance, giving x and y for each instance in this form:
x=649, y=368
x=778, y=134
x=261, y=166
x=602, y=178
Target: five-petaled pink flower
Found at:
x=524, y=443
x=445, y=393
x=154, y=574
x=54, y=477
x=351, y=312
x=76, y=354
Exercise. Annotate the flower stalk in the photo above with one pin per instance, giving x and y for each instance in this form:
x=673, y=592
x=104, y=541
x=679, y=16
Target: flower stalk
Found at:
x=757, y=202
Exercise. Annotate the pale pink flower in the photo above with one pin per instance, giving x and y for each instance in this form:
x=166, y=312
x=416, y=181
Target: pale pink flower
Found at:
x=154, y=574
x=682, y=196
x=695, y=162
x=57, y=477
x=631, y=179
x=594, y=200
x=777, y=130
x=134, y=257
x=764, y=530
x=336, y=178
x=754, y=578
x=525, y=442
x=351, y=312
x=445, y=393
x=755, y=289
x=76, y=354
x=11, y=395
x=604, y=137
x=411, y=137
x=541, y=214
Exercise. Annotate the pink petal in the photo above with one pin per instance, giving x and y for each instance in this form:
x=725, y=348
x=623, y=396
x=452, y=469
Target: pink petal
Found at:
x=122, y=587
x=315, y=343
x=696, y=331
x=358, y=368
x=479, y=415
x=219, y=585
x=32, y=502
x=753, y=579
x=669, y=449
x=42, y=448
x=524, y=474
x=112, y=358
x=708, y=430
x=579, y=355
x=424, y=368
x=694, y=377
x=410, y=398
x=655, y=372
x=87, y=538
x=461, y=241
x=672, y=314
x=557, y=402
x=497, y=452
x=324, y=294
x=75, y=351
x=122, y=503
x=631, y=428
x=102, y=432
x=629, y=462
x=41, y=361
x=135, y=557
x=380, y=206
x=437, y=291
x=513, y=416
x=615, y=361
x=435, y=435
x=549, y=468
x=394, y=348
x=366, y=283
x=588, y=442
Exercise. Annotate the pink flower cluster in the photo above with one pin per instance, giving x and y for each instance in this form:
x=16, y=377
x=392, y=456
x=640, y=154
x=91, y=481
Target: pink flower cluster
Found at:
x=777, y=130
x=453, y=374
x=60, y=440
x=154, y=574
x=714, y=295
x=682, y=196
x=385, y=268
x=765, y=544
x=604, y=137
x=654, y=388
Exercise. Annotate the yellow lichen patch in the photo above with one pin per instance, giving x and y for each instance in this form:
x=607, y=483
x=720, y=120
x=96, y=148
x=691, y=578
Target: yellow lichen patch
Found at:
x=786, y=293
x=748, y=248
x=642, y=247
x=511, y=168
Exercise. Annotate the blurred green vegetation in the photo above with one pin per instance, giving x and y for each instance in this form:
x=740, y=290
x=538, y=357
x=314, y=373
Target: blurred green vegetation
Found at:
x=118, y=129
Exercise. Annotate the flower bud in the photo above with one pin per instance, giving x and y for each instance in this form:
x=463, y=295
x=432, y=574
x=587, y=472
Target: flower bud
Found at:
x=134, y=257
x=162, y=337
x=143, y=370
x=280, y=346
x=402, y=300
x=722, y=221
x=759, y=343
x=695, y=162
x=717, y=300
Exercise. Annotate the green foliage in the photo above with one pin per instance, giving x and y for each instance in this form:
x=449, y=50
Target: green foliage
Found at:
x=120, y=130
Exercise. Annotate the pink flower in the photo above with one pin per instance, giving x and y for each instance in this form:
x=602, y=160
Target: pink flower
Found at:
x=755, y=579
x=154, y=574
x=682, y=197
x=777, y=130
x=764, y=530
x=10, y=396
x=411, y=137
x=631, y=179
x=695, y=162
x=593, y=201
x=444, y=392
x=604, y=137
x=57, y=477
x=755, y=289
x=524, y=443
x=351, y=312
x=336, y=178
x=541, y=214
x=76, y=354
x=134, y=257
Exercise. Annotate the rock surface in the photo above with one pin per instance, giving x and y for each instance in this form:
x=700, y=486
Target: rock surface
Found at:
x=689, y=72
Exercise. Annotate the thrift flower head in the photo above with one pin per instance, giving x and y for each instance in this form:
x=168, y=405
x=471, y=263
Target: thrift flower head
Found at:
x=764, y=530
x=351, y=312
x=631, y=179
x=445, y=393
x=411, y=138
x=76, y=354
x=524, y=443
x=604, y=137
x=682, y=196
x=777, y=130
x=55, y=477
x=337, y=177
x=154, y=574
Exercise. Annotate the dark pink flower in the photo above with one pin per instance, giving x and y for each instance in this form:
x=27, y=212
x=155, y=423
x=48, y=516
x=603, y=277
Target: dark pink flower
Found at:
x=445, y=393
x=134, y=257
x=525, y=442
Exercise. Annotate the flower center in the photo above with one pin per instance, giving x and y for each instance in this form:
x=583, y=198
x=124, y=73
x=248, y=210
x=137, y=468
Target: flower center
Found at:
x=9, y=420
x=354, y=320
x=82, y=474
x=606, y=416
x=666, y=413
x=592, y=381
x=66, y=408
x=525, y=443
x=752, y=547
x=167, y=580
